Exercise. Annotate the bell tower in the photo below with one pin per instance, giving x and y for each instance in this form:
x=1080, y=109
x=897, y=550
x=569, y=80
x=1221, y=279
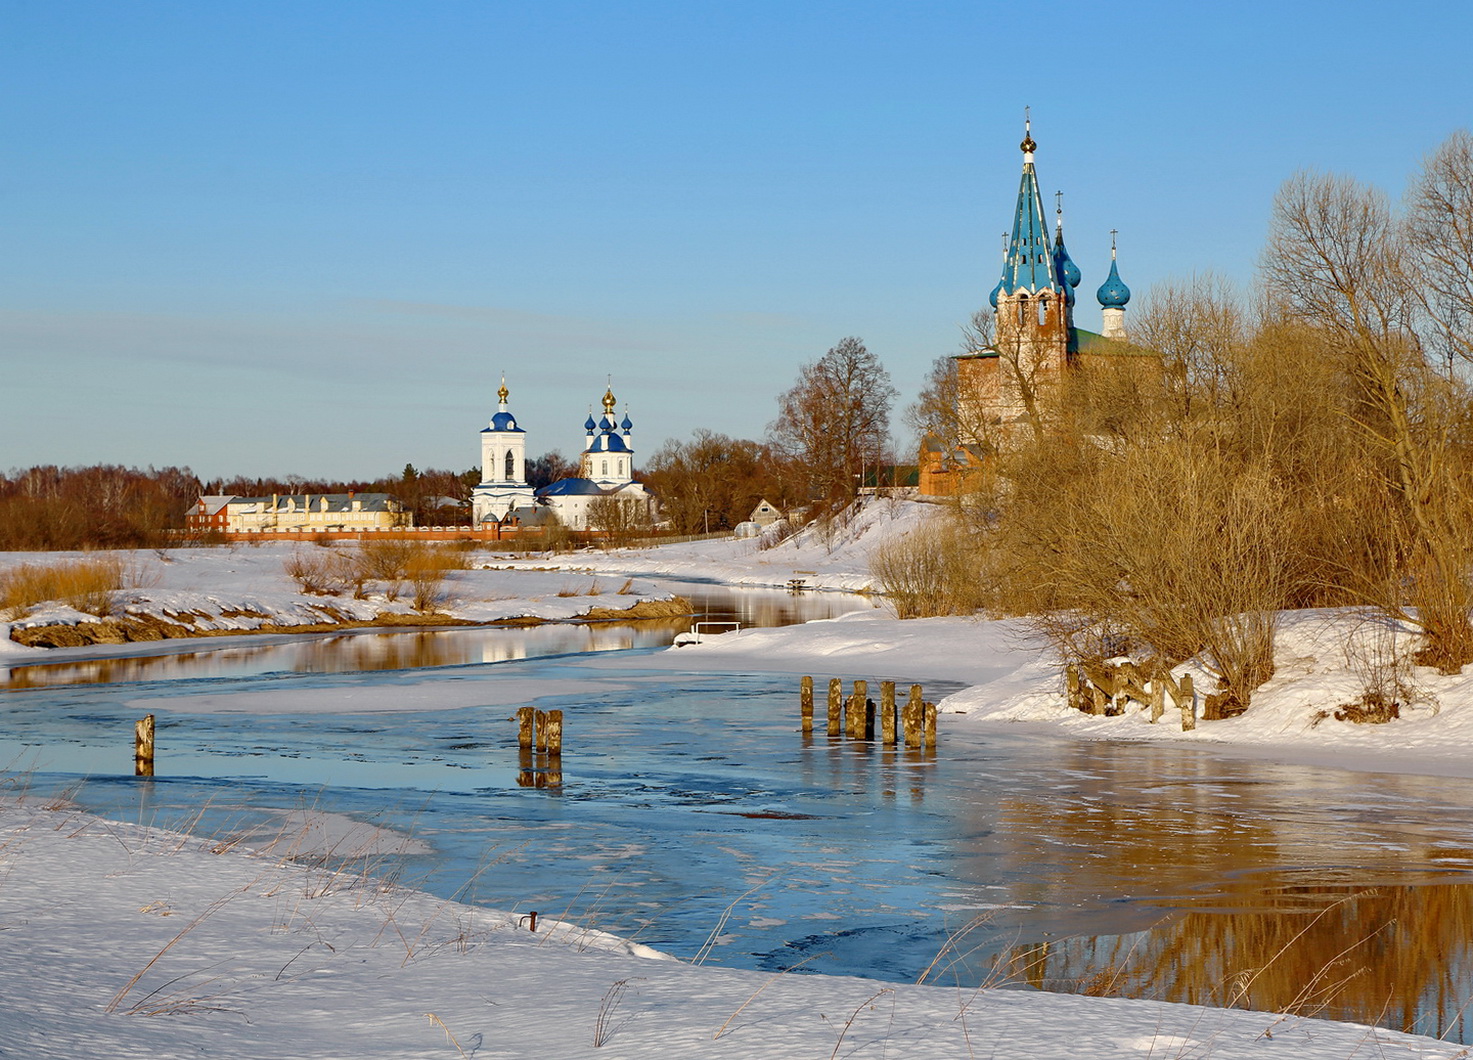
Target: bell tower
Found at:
x=1034, y=299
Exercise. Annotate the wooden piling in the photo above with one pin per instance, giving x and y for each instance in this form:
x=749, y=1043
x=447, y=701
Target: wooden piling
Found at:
x=143, y=746
x=526, y=723
x=805, y=704
x=929, y=726
x=869, y=719
x=836, y=702
x=554, y=728
x=910, y=720
x=856, y=710
x=541, y=726
x=887, y=713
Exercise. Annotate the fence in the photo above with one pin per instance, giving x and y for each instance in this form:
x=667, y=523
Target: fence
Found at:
x=1099, y=688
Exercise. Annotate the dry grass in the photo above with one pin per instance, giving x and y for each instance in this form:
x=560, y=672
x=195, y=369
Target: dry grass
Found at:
x=392, y=564
x=89, y=585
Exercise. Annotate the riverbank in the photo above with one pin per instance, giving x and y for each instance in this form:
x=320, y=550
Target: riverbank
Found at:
x=220, y=591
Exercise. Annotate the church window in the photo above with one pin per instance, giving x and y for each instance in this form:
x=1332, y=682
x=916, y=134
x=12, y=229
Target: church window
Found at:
x=1023, y=309
x=604, y=466
x=511, y=465
x=1042, y=311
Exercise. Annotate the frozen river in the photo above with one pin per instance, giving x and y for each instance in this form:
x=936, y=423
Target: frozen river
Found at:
x=692, y=815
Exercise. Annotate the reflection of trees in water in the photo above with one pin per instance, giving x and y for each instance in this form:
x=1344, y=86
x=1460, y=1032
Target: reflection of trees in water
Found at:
x=1397, y=956
x=1290, y=904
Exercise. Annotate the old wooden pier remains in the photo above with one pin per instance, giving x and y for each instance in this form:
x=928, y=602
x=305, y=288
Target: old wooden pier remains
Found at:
x=854, y=717
x=540, y=748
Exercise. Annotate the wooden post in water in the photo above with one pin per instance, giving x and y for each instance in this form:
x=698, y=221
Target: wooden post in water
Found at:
x=856, y=710
x=541, y=722
x=805, y=705
x=526, y=722
x=910, y=723
x=869, y=719
x=554, y=728
x=887, y=713
x=836, y=705
x=1188, y=704
x=929, y=726
x=143, y=746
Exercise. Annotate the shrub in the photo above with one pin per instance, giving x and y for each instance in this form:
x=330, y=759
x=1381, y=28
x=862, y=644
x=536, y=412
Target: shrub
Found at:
x=935, y=570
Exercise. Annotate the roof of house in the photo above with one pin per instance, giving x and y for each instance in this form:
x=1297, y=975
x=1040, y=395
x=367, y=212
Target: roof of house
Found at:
x=336, y=502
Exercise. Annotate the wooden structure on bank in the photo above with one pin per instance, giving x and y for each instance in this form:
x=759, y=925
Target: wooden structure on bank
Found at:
x=1103, y=688
x=855, y=716
x=540, y=748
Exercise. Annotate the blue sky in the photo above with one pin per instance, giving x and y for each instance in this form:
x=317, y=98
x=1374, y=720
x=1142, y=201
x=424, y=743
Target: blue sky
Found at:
x=275, y=238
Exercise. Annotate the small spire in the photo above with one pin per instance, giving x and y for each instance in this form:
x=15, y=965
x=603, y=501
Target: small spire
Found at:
x=1028, y=145
x=1113, y=232
x=1058, y=211
x=503, y=393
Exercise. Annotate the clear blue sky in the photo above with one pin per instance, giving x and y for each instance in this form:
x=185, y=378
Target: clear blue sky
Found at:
x=295, y=237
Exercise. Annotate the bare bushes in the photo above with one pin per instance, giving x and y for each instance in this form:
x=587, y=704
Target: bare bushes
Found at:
x=392, y=564
x=933, y=570
x=89, y=585
x=1165, y=548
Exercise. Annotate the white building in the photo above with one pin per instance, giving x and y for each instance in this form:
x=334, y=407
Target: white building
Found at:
x=606, y=470
x=503, y=483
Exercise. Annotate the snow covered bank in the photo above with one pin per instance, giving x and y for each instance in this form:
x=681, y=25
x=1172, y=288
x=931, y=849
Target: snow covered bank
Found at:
x=243, y=589
x=1015, y=677
x=830, y=554
x=146, y=943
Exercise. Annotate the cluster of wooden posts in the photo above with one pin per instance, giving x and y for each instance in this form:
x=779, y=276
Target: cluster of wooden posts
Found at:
x=855, y=716
x=540, y=747
x=1100, y=688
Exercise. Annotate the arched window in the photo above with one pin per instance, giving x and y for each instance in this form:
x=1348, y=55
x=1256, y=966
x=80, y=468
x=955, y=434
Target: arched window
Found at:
x=604, y=468
x=511, y=465
x=1023, y=309
x=1042, y=311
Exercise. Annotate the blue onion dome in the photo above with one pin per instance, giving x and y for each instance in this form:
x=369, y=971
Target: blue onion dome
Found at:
x=589, y=425
x=504, y=421
x=606, y=424
x=992, y=298
x=1064, y=267
x=1113, y=294
x=627, y=425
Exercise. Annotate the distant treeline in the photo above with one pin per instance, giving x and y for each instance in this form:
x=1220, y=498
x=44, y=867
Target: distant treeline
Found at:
x=105, y=506
x=51, y=508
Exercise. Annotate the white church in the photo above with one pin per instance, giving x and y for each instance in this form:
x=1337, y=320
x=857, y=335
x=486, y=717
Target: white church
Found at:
x=606, y=469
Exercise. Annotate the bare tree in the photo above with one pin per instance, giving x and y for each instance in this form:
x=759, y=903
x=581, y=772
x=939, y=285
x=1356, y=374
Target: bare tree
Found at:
x=835, y=420
x=1337, y=261
x=1439, y=225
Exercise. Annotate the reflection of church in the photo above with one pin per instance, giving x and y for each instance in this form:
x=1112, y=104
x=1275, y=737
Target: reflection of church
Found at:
x=1035, y=339
x=606, y=470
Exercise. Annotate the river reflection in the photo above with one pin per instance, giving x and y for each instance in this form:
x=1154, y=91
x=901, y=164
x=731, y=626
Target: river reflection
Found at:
x=1395, y=955
x=369, y=650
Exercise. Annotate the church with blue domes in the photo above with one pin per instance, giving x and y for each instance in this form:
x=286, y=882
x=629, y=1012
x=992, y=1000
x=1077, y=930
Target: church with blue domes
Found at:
x=605, y=470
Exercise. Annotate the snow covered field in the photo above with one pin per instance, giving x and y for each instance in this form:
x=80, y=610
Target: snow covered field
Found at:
x=140, y=942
